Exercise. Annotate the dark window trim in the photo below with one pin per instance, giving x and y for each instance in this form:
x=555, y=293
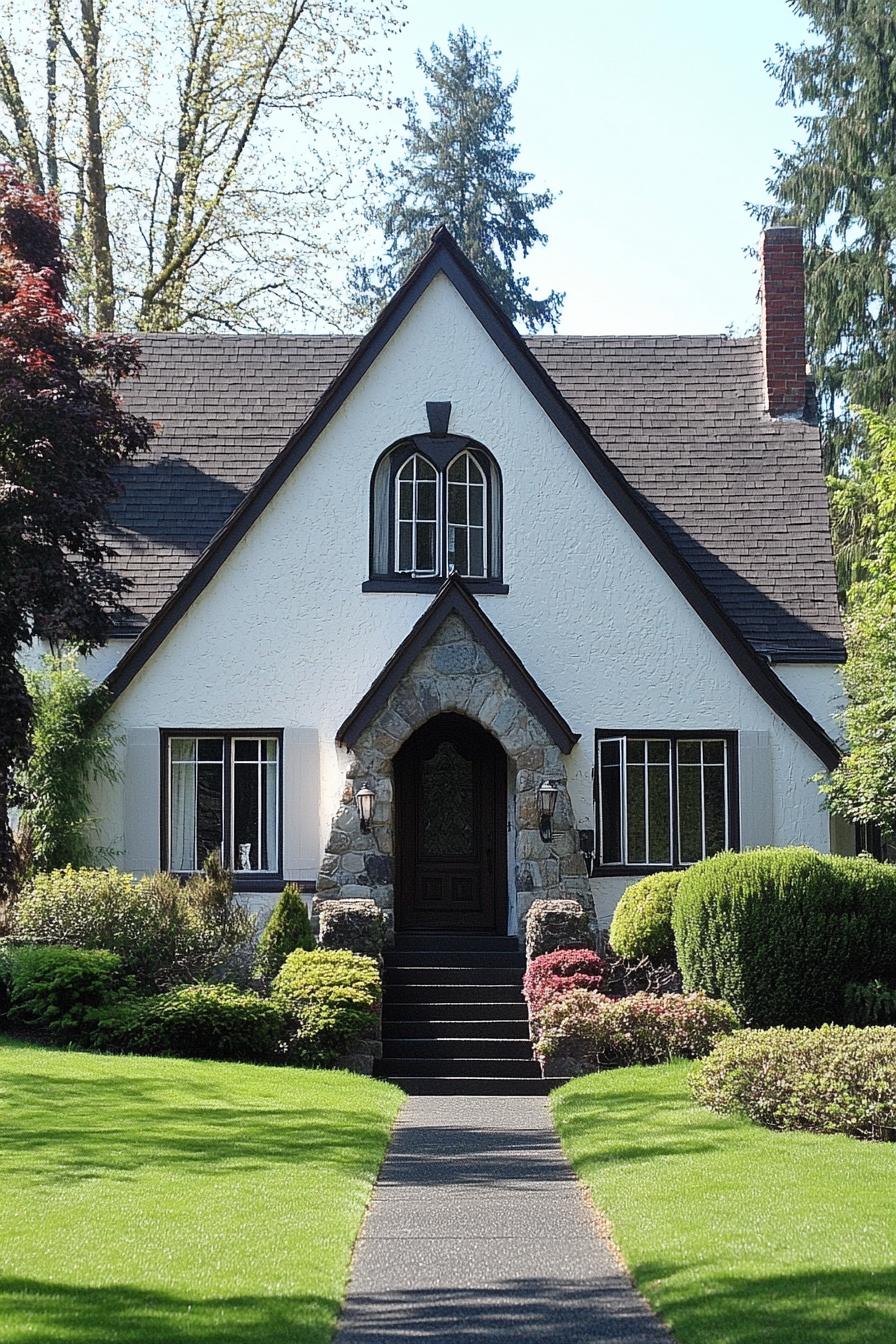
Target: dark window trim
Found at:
x=674, y=735
x=439, y=450
x=402, y=584
x=266, y=880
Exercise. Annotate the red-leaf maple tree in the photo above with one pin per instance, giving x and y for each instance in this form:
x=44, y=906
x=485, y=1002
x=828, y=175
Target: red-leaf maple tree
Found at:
x=62, y=433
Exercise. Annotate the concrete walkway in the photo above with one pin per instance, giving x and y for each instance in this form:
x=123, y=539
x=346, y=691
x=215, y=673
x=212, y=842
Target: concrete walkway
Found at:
x=478, y=1230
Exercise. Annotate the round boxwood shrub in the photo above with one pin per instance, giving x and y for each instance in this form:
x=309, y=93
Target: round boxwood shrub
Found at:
x=288, y=929
x=832, y=1080
x=556, y=973
x=642, y=921
x=778, y=933
x=196, y=1022
x=593, y=1031
x=60, y=990
x=331, y=997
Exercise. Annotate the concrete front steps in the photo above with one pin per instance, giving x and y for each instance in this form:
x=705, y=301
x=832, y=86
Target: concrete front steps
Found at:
x=454, y=1017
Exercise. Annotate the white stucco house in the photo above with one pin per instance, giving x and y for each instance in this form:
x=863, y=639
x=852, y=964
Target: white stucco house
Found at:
x=457, y=578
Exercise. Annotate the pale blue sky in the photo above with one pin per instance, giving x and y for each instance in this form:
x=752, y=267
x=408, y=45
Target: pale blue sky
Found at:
x=656, y=120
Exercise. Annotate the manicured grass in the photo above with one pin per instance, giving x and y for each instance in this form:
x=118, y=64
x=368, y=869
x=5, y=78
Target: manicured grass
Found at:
x=173, y=1201
x=736, y=1234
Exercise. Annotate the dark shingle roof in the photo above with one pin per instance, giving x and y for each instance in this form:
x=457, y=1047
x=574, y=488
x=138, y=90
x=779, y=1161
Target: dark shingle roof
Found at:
x=739, y=495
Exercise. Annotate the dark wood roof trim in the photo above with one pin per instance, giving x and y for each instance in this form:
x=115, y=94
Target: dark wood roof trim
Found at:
x=453, y=598
x=445, y=256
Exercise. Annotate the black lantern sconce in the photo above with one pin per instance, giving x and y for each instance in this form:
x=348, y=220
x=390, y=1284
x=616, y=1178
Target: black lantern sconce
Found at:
x=364, y=801
x=547, y=801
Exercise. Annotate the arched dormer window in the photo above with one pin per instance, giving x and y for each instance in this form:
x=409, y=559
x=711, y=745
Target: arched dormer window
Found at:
x=435, y=508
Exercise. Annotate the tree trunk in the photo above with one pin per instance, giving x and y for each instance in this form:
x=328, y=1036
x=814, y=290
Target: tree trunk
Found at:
x=95, y=173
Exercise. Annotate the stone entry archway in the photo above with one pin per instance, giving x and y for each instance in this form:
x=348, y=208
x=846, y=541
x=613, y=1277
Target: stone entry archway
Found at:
x=455, y=672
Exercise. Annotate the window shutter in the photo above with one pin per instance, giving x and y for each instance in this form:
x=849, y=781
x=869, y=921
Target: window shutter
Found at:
x=757, y=824
x=142, y=814
x=301, y=804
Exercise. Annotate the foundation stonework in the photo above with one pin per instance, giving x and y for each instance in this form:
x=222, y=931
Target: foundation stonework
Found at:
x=455, y=673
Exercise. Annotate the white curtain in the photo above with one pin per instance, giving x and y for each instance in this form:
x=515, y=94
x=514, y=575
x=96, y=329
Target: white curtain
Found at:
x=182, y=806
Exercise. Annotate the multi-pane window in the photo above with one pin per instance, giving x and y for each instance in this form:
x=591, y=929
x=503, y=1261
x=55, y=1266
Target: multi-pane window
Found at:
x=466, y=526
x=434, y=512
x=664, y=799
x=417, y=517
x=223, y=797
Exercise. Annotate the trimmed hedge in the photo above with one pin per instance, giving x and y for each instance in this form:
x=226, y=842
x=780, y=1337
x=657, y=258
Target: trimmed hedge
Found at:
x=556, y=973
x=59, y=990
x=332, y=999
x=642, y=921
x=196, y=1022
x=288, y=929
x=832, y=1080
x=593, y=1031
x=778, y=933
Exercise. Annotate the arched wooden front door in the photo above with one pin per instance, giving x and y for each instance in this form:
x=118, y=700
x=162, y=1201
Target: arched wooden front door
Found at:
x=451, y=829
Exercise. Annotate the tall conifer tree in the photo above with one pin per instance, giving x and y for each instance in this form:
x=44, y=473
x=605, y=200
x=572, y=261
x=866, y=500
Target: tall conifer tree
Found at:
x=839, y=183
x=459, y=169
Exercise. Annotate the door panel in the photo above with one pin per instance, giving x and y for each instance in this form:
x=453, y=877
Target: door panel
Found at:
x=451, y=809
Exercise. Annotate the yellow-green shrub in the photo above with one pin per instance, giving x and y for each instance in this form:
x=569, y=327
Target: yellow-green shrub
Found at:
x=642, y=921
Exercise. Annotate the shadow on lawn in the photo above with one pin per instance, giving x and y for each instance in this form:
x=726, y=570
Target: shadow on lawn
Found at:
x=60, y=1313
x=90, y=1129
x=848, y=1306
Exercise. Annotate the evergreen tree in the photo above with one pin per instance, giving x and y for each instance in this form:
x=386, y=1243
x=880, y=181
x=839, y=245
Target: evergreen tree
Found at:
x=459, y=169
x=287, y=929
x=839, y=183
x=863, y=786
x=62, y=431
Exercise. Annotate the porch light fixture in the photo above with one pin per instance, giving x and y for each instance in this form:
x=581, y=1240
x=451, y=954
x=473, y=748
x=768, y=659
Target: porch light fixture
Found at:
x=547, y=801
x=364, y=802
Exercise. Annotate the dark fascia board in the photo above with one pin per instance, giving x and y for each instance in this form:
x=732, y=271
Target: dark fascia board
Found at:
x=454, y=599
x=445, y=257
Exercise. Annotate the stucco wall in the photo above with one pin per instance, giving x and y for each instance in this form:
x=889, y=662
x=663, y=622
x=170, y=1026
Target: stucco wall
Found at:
x=284, y=635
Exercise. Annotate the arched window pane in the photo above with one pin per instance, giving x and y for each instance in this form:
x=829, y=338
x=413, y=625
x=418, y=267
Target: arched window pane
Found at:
x=466, y=521
x=416, y=517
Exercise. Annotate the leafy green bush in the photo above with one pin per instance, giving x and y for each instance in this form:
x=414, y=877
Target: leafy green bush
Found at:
x=642, y=921
x=196, y=1022
x=331, y=998
x=778, y=933
x=60, y=990
x=165, y=931
x=72, y=748
x=870, y=1004
x=287, y=930
x=833, y=1079
x=598, y=1031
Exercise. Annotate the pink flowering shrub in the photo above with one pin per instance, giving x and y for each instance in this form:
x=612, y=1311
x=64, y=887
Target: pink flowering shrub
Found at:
x=556, y=973
x=595, y=1031
x=831, y=1080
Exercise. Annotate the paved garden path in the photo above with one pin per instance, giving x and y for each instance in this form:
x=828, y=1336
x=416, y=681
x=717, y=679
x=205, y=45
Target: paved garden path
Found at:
x=478, y=1230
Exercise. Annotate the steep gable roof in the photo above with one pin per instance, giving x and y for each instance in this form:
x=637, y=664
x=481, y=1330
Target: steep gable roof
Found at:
x=453, y=598
x=445, y=257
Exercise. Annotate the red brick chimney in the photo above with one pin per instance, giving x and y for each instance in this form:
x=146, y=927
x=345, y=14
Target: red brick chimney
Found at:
x=783, y=323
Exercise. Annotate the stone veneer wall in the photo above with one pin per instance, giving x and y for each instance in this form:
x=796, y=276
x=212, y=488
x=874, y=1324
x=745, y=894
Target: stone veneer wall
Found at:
x=455, y=673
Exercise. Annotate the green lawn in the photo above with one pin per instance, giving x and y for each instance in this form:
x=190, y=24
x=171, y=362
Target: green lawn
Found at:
x=737, y=1234
x=173, y=1201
